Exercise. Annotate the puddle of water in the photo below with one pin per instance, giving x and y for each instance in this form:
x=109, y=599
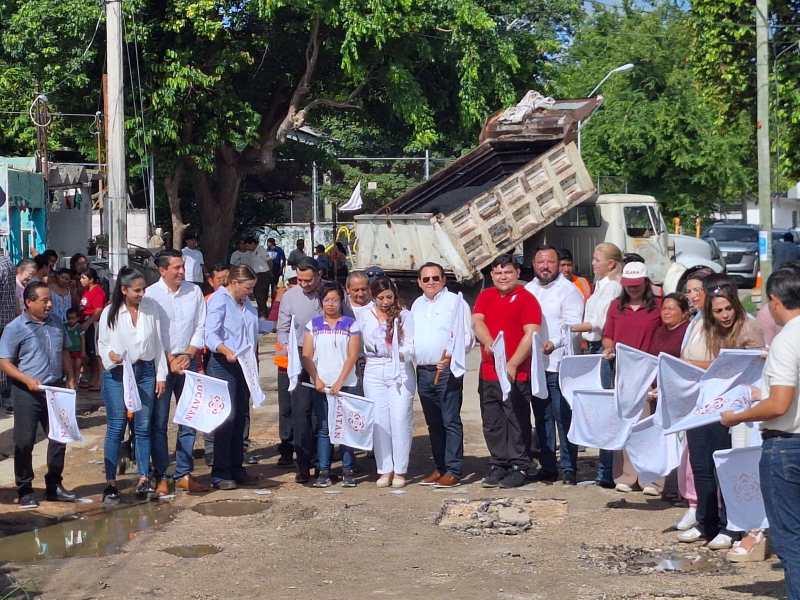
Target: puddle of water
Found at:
x=682, y=564
x=231, y=508
x=195, y=551
x=98, y=534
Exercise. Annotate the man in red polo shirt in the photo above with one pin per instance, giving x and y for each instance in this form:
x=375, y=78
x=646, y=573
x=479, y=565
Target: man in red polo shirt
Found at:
x=509, y=308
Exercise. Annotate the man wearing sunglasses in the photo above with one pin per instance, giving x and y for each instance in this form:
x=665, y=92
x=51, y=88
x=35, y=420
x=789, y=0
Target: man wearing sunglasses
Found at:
x=440, y=392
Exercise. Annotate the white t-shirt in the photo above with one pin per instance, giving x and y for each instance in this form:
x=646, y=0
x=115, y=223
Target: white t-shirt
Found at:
x=193, y=264
x=330, y=348
x=783, y=368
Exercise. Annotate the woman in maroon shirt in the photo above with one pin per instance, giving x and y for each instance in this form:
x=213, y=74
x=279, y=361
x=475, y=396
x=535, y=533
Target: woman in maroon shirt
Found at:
x=668, y=336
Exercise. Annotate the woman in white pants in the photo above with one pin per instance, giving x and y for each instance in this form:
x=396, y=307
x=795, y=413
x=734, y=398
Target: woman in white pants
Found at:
x=389, y=384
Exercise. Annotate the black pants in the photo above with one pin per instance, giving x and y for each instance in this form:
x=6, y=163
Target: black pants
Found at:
x=284, y=414
x=506, y=424
x=30, y=410
x=303, y=438
x=261, y=291
x=229, y=437
x=703, y=442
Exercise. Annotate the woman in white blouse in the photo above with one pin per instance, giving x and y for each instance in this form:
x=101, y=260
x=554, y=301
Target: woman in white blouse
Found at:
x=389, y=381
x=607, y=268
x=130, y=328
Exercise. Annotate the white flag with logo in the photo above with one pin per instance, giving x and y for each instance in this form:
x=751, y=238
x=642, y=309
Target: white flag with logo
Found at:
x=130, y=389
x=652, y=453
x=500, y=363
x=457, y=350
x=204, y=404
x=247, y=360
x=678, y=389
x=596, y=422
x=740, y=484
x=729, y=369
x=351, y=420
x=538, y=378
x=579, y=373
x=635, y=373
x=294, y=366
x=355, y=201
x=63, y=426
x=708, y=410
x=568, y=341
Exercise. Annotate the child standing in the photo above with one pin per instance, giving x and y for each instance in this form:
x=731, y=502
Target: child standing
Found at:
x=74, y=333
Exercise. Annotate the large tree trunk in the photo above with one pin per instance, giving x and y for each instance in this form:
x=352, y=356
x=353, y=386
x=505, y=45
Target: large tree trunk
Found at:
x=217, y=196
x=172, y=184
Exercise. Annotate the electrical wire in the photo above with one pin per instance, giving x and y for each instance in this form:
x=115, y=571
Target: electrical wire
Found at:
x=144, y=167
x=83, y=54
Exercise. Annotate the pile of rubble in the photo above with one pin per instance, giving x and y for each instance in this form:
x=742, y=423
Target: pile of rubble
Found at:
x=499, y=516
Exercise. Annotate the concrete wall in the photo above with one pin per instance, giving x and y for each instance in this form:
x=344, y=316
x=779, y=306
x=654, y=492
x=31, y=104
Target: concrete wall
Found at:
x=137, y=226
x=69, y=224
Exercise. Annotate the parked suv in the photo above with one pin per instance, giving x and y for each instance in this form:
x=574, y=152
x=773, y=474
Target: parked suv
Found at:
x=739, y=245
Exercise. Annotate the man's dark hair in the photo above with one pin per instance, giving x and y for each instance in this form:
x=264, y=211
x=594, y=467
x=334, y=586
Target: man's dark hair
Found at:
x=31, y=292
x=64, y=271
x=218, y=268
x=565, y=254
x=784, y=284
x=41, y=261
x=547, y=248
x=504, y=260
x=428, y=265
x=162, y=260
x=319, y=248
x=189, y=236
x=251, y=240
x=270, y=240
x=300, y=242
x=307, y=264
x=50, y=253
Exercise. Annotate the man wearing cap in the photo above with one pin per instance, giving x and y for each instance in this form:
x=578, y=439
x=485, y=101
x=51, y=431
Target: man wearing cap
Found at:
x=562, y=306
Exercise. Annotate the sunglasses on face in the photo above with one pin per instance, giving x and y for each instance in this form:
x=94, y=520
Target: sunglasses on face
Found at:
x=435, y=278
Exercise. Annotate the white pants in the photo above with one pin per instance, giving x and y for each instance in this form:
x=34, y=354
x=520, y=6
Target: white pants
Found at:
x=394, y=416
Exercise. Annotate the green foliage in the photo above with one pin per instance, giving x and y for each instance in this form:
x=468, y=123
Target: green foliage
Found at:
x=656, y=129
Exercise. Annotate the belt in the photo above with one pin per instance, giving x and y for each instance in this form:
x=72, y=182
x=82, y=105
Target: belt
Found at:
x=426, y=367
x=767, y=434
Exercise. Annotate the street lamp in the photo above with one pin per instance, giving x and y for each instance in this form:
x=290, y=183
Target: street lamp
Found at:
x=619, y=69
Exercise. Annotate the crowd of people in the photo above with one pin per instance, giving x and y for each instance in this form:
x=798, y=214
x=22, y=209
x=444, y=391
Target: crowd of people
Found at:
x=360, y=339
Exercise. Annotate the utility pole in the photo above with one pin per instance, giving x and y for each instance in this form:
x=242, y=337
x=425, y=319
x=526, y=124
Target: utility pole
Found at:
x=42, y=122
x=117, y=201
x=314, y=200
x=762, y=139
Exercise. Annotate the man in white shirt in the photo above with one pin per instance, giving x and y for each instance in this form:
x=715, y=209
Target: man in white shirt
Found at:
x=240, y=256
x=183, y=314
x=562, y=307
x=360, y=300
x=262, y=267
x=193, y=261
x=440, y=396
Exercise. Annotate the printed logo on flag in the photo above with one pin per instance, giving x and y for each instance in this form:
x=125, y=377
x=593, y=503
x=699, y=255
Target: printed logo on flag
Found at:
x=746, y=488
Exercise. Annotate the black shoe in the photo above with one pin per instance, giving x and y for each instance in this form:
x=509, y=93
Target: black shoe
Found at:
x=302, y=476
x=111, y=495
x=224, y=484
x=608, y=485
x=545, y=477
x=570, y=478
x=347, y=478
x=59, y=494
x=494, y=477
x=516, y=477
x=323, y=480
x=28, y=501
x=245, y=478
x=143, y=489
x=286, y=460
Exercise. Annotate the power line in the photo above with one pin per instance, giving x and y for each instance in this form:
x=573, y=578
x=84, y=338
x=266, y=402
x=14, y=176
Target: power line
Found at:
x=80, y=58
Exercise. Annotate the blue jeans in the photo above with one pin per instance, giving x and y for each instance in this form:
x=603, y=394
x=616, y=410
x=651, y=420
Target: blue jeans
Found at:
x=117, y=416
x=441, y=404
x=779, y=470
x=550, y=415
x=320, y=408
x=229, y=437
x=184, y=461
x=605, y=465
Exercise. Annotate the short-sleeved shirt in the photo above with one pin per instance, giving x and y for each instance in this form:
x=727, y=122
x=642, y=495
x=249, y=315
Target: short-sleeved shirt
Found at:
x=91, y=301
x=508, y=314
x=35, y=347
x=668, y=340
x=330, y=347
x=783, y=368
x=634, y=328
x=73, y=337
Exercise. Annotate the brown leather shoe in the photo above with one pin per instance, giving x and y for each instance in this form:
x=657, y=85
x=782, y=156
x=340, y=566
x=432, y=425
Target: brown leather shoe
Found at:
x=432, y=478
x=447, y=481
x=187, y=483
x=162, y=488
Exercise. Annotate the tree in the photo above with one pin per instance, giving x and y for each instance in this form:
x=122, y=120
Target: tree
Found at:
x=656, y=129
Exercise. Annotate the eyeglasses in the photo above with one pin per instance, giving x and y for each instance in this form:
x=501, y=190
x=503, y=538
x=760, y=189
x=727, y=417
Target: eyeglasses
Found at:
x=435, y=278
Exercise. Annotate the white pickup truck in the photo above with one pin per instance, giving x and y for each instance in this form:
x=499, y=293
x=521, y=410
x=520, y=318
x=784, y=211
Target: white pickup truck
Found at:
x=525, y=184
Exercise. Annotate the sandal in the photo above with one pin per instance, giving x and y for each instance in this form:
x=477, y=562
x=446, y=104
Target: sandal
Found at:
x=751, y=548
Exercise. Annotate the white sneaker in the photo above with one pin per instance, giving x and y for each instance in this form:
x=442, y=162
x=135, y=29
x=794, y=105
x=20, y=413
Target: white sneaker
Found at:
x=721, y=542
x=650, y=490
x=624, y=488
x=688, y=520
x=690, y=535
x=384, y=480
x=399, y=481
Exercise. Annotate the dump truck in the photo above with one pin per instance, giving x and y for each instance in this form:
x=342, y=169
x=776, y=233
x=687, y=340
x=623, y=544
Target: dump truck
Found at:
x=524, y=184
